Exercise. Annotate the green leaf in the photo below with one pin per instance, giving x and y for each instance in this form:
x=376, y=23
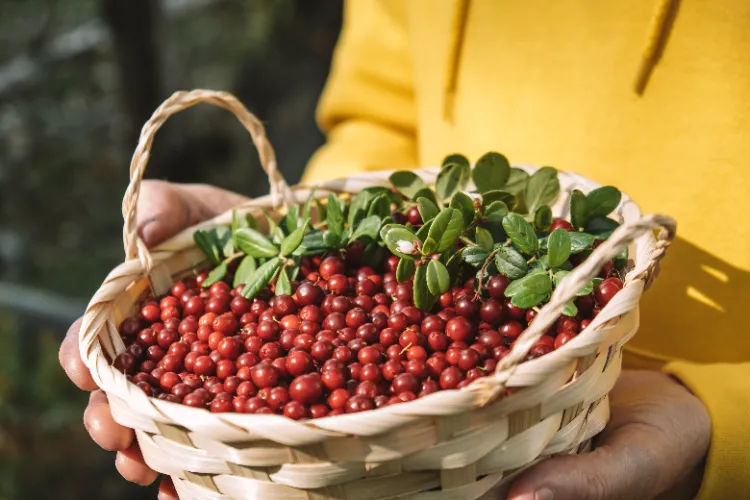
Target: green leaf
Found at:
x=260, y=278
x=455, y=158
x=538, y=266
x=359, y=206
x=602, y=201
x=577, y=209
x=492, y=196
x=306, y=209
x=405, y=270
x=451, y=179
x=510, y=263
x=244, y=270
x=423, y=299
x=269, y=221
x=335, y=216
x=283, y=285
x=322, y=210
x=426, y=193
x=446, y=228
x=464, y=203
x=217, y=274
x=513, y=288
x=207, y=243
x=423, y=231
x=429, y=246
x=380, y=206
x=223, y=235
x=517, y=181
x=558, y=247
x=560, y=275
x=408, y=183
x=237, y=221
x=580, y=242
x=496, y=212
x=331, y=239
x=291, y=242
x=438, y=279
x=474, y=256
x=601, y=227
x=491, y=172
x=291, y=219
x=542, y=188
x=312, y=243
x=483, y=238
x=253, y=243
x=529, y=291
x=570, y=309
x=278, y=236
x=427, y=209
x=368, y=228
x=454, y=262
x=543, y=218
x=521, y=233
x=395, y=234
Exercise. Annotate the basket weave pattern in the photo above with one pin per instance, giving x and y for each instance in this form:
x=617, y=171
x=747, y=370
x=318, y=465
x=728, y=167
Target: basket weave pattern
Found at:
x=449, y=445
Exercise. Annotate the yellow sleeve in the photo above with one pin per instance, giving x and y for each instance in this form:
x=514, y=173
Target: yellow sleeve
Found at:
x=367, y=109
x=723, y=388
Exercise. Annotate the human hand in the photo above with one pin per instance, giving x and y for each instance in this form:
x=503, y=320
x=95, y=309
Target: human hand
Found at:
x=653, y=447
x=164, y=209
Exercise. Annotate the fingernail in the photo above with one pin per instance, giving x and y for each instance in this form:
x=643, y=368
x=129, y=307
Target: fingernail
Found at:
x=544, y=494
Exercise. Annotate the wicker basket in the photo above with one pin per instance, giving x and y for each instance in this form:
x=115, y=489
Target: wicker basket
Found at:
x=449, y=445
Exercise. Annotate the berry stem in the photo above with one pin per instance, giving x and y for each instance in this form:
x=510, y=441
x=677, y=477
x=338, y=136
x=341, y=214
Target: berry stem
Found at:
x=481, y=273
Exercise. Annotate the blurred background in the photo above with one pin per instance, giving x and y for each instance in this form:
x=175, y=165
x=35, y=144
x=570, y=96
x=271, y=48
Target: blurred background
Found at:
x=77, y=80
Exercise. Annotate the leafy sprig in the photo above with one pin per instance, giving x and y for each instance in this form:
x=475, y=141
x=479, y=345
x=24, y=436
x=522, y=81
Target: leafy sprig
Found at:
x=503, y=224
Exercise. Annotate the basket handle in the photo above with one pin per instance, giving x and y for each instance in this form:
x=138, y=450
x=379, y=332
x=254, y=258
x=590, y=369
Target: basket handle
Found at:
x=572, y=283
x=177, y=102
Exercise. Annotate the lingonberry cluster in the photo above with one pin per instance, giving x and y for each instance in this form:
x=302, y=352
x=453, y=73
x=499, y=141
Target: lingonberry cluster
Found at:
x=348, y=339
x=390, y=296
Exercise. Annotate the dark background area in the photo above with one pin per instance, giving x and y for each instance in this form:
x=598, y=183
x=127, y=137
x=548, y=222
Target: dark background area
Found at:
x=77, y=80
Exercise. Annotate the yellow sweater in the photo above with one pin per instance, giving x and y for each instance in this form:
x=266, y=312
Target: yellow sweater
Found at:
x=652, y=96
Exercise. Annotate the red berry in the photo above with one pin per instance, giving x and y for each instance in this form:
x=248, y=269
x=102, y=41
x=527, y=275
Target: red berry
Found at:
x=563, y=339
x=264, y=375
x=468, y=359
x=450, y=378
x=306, y=389
x=357, y=404
x=338, y=398
x=459, y=328
x=562, y=224
x=491, y=312
x=606, y=290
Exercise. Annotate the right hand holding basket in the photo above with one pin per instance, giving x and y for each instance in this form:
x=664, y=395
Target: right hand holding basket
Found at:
x=164, y=209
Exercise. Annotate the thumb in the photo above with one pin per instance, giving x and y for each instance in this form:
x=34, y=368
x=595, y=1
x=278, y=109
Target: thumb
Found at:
x=621, y=468
x=165, y=209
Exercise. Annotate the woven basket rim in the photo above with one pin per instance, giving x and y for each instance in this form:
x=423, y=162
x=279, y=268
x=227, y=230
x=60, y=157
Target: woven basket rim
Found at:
x=645, y=241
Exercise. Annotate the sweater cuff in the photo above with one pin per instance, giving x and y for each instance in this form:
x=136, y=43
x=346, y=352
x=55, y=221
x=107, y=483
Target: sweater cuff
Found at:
x=723, y=388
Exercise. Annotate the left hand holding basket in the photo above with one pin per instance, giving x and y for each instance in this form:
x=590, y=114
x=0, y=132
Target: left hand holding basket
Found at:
x=653, y=447
x=164, y=209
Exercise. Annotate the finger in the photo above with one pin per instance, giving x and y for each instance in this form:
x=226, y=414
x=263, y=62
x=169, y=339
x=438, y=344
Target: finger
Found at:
x=161, y=212
x=131, y=466
x=632, y=463
x=102, y=427
x=167, y=490
x=70, y=359
x=164, y=209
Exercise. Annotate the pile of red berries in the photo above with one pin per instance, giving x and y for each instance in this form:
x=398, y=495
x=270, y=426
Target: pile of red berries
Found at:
x=349, y=339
